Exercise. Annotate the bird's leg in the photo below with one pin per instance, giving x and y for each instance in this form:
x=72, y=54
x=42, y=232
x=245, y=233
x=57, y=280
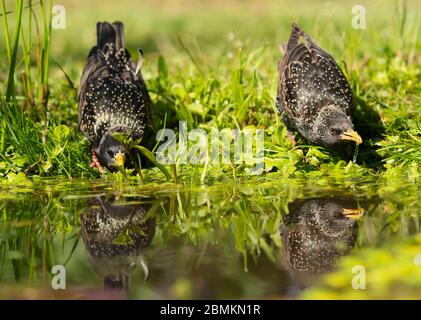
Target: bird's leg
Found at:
x=291, y=138
x=95, y=163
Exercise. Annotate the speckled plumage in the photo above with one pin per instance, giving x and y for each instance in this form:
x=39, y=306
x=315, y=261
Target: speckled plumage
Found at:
x=313, y=93
x=316, y=232
x=114, y=234
x=112, y=96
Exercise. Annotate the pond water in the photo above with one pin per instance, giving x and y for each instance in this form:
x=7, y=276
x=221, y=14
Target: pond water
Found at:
x=264, y=238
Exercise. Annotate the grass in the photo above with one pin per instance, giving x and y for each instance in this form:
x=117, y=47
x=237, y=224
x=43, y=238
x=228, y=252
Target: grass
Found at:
x=226, y=84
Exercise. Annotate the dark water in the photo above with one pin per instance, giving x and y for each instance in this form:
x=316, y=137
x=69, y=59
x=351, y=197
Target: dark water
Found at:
x=261, y=239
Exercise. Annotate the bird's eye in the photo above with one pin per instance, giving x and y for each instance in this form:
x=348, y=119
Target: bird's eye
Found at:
x=110, y=153
x=332, y=131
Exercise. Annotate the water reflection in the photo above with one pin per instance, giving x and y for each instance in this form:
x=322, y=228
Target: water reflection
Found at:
x=315, y=233
x=219, y=242
x=115, y=233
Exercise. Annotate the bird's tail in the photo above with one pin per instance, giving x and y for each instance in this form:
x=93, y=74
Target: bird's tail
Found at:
x=108, y=33
x=296, y=35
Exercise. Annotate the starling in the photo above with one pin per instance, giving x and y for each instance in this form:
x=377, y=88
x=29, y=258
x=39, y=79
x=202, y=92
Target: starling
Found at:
x=113, y=98
x=114, y=234
x=314, y=97
x=316, y=232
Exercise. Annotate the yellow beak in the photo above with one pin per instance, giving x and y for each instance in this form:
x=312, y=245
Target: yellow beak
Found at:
x=354, y=214
x=119, y=159
x=352, y=135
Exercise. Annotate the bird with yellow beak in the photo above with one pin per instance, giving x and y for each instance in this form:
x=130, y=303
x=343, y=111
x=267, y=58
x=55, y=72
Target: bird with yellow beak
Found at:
x=314, y=96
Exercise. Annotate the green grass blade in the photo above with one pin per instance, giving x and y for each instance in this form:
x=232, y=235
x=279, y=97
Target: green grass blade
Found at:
x=10, y=81
x=152, y=158
x=6, y=29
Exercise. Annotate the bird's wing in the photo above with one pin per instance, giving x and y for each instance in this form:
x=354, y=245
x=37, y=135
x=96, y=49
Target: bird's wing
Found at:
x=110, y=39
x=90, y=67
x=110, y=86
x=310, y=78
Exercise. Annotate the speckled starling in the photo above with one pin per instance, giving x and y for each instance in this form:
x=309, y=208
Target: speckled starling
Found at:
x=316, y=232
x=113, y=97
x=314, y=97
x=115, y=233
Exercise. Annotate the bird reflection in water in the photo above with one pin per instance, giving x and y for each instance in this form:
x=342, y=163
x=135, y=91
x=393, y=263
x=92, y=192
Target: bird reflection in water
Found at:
x=315, y=233
x=115, y=233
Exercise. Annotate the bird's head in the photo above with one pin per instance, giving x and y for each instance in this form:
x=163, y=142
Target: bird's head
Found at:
x=333, y=127
x=334, y=218
x=111, y=152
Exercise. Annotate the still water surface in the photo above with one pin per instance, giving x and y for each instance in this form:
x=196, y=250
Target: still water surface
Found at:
x=264, y=239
